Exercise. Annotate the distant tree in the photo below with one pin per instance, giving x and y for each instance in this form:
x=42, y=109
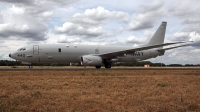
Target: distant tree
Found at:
x=141, y=63
x=9, y=63
x=157, y=64
x=192, y=65
x=175, y=65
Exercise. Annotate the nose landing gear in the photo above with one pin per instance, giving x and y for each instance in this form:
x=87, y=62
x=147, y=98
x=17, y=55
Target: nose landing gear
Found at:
x=30, y=66
x=98, y=67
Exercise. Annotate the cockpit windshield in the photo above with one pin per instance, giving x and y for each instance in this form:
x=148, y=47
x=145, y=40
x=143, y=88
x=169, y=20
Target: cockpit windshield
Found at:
x=21, y=49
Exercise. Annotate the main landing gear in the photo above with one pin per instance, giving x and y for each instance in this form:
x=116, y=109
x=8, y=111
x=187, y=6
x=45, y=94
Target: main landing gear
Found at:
x=107, y=66
x=107, y=63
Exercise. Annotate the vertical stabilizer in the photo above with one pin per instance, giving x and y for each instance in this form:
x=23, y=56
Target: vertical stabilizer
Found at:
x=159, y=36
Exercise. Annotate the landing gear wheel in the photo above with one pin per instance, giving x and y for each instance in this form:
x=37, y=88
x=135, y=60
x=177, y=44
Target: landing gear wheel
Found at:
x=98, y=67
x=30, y=67
x=108, y=65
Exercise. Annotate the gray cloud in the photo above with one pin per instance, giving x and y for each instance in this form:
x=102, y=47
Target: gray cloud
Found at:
x=65, y=39
x=191, y=28
x=140, y=25
x=195, y=20
x=1, y=56
x=98, y=16
x=195, y=37
x=196, y=44
x=18, y=1
x=185, y=8
x=187, y=11
x=2, y=41
x=30, y=34
x=26, y=18
x=148, y=15
x=184, y=55
x=20, y=25
x=187, y=36
x=151, y=7
x=72, y=29
x=87, y=24
x=135, y=40
x=180, y=36
x=39, y=6
x=2, y=46
x=141, y=39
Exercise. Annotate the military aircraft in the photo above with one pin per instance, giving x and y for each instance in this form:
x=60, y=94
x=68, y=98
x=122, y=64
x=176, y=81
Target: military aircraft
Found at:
x=94, y=55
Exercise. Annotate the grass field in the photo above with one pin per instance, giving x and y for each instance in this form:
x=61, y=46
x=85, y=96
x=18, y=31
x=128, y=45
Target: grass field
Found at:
x=100, y=90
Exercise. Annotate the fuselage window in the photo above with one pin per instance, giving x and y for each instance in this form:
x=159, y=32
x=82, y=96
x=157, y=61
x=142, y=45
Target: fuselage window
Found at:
x=59, y=50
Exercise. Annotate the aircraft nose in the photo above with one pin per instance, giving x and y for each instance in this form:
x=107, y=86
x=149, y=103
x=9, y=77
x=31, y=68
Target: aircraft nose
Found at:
x=10, y=55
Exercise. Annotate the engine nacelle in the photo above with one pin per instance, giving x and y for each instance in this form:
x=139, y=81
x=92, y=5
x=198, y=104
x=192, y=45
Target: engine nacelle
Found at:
x=89, y=60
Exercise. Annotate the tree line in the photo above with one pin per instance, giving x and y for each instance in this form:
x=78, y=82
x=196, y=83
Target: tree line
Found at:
x=141, y=63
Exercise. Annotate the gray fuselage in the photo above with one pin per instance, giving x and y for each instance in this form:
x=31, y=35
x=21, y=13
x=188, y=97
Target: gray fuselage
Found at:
x=50, y=53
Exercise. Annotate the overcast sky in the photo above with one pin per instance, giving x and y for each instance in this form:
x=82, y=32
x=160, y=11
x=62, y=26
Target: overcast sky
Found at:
x=113, y=22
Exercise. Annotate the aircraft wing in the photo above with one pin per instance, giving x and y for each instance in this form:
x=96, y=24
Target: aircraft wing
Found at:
x=173, y=47
x=128, y=51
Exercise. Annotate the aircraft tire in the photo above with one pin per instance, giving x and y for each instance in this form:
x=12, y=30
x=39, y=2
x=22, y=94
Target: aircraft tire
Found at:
x=108, y=65
x=98, y=67
x=30, y=67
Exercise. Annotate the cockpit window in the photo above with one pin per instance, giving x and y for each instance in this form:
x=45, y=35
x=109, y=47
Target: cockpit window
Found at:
x=21, y=49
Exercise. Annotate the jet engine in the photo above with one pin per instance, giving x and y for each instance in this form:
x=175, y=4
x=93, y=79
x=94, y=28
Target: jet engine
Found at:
x=89, y=60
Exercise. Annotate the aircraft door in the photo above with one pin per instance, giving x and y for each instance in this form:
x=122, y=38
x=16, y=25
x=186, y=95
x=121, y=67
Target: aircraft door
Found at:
x=35, y=50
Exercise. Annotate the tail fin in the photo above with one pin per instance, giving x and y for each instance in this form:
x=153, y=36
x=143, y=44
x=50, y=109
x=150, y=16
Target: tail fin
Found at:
x=158, y=37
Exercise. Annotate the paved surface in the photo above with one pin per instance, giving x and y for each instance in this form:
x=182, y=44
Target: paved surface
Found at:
x=82, y=69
